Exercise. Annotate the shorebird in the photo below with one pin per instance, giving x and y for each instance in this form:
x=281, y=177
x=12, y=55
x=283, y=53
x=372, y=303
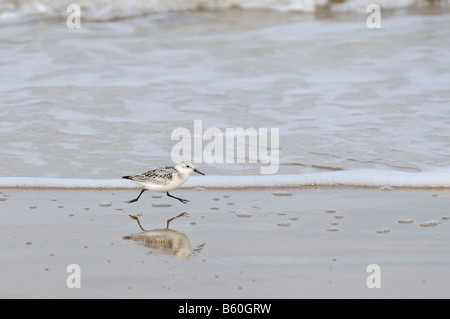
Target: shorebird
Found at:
x=163, y=179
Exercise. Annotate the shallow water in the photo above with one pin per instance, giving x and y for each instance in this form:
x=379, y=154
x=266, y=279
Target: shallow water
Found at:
x=102, y=101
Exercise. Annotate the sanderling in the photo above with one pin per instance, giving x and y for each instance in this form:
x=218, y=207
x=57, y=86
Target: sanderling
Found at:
x=164, y=179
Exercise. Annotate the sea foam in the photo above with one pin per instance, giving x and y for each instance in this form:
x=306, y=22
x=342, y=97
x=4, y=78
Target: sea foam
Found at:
x=357, y=178
x=109, y=10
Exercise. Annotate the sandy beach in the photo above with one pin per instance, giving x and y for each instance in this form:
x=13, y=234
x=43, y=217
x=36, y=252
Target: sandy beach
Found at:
x=252, y=243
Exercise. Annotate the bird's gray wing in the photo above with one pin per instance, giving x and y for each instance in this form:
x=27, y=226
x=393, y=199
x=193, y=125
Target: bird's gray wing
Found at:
x=161, y=176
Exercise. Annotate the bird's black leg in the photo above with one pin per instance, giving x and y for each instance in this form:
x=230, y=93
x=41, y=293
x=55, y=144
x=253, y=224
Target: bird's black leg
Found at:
x=136, y=199
x=184, y=201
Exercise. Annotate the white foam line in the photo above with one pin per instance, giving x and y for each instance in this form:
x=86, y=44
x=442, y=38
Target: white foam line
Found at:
x=361, y=178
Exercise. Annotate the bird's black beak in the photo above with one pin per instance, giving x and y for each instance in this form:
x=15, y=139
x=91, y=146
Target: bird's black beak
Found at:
x=197, y=171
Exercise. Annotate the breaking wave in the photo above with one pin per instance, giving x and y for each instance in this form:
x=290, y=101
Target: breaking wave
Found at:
x=107, y=10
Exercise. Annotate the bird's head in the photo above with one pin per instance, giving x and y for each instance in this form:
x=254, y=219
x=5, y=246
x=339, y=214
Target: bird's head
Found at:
x=187, y=168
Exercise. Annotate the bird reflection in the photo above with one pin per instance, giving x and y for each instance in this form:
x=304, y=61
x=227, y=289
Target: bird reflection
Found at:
x=166, y=240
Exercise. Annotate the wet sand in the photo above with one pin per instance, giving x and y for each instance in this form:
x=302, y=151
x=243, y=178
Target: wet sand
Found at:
x=252, y=243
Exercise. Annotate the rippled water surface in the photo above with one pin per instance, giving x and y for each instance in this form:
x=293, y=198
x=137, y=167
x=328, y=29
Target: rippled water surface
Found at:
x=103, y=100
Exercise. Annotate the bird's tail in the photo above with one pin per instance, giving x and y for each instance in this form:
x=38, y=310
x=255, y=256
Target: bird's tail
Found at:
x=126, y=177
